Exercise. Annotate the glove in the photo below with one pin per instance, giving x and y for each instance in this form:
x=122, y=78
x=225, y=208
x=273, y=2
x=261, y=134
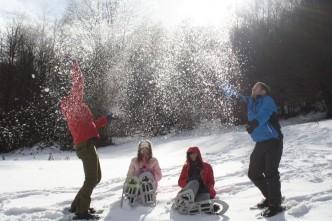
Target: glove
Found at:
x=251, y=126
x=228, y=90
x=109, y=117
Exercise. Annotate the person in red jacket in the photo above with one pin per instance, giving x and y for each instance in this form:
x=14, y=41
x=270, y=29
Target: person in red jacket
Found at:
x=84, y=130
x=197, y=175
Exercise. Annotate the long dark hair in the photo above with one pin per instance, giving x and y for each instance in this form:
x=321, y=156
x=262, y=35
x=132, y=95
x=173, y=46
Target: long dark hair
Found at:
x=140, y=155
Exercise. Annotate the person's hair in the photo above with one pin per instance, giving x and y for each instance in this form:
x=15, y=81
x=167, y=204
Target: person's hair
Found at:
x=139, y=154
x=264, y=86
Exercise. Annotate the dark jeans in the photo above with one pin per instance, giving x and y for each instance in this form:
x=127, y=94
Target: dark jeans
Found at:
x=263, y=169
x=86, y=151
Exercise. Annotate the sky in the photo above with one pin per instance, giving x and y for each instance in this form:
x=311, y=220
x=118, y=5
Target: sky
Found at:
x=34, y=9
x=168, y=12
x=197, y=12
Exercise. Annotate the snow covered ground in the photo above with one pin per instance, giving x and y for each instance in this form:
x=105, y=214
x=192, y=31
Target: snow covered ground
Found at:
x=33, y=188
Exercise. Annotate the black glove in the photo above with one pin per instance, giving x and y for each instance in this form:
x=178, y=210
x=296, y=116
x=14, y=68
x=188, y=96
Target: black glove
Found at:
x=251, y=126
x=111, y=117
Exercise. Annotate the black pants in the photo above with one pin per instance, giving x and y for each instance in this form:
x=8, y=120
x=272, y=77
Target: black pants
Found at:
x=263, y=169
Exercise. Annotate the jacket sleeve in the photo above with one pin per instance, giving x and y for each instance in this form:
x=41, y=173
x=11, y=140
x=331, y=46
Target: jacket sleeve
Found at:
x=101, y=122
x=211, y=182
x=267, y=109
x=77, y=89
x=131, y=170
x=157, y=171
x=211, y=178
x=182, y=182
x=244, y=98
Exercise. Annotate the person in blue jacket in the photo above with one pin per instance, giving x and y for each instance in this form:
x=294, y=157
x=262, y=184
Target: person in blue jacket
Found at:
x=264, y=128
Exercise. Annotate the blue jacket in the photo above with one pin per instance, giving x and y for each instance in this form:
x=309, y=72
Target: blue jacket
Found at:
x=262, y=108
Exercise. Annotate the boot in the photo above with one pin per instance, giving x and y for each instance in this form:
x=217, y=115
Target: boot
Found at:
x=91, y=210
x=263, y=204
x=86, y=217
x=272, y=211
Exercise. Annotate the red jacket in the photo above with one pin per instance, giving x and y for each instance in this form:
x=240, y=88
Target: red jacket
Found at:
x=206, y=173
x=79, y=118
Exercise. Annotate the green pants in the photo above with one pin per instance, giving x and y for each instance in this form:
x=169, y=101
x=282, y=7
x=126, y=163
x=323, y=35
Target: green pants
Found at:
x=86, y=151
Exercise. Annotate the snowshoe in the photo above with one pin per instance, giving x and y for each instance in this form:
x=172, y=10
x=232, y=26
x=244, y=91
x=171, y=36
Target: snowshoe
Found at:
x=183, y=200
x=130, y=191
x=213, y=207
x=148, y=188
x=185, y=204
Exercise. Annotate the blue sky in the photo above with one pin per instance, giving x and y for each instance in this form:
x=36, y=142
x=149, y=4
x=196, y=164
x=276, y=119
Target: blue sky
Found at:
x=31, y=8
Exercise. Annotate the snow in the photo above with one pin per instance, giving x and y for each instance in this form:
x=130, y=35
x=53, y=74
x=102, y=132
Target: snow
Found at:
x=33, y=188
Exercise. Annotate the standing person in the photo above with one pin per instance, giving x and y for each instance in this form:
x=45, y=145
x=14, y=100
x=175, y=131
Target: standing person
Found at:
x=265, y=130
x=84, y=130
x=197, y=176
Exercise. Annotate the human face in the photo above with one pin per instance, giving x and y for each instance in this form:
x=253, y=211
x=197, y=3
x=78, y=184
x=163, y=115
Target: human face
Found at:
x=257, y=90
x=193, y=156
x=144, y=149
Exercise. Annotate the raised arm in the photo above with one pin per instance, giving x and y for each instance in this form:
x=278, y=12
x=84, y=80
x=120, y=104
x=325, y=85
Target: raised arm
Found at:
x=77, y=89
x=230, y=91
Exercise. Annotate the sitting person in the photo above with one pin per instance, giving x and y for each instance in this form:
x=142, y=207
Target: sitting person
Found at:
x=143, y=175
x=196, y=181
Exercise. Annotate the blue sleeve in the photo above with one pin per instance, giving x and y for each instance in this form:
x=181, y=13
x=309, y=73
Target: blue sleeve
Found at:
x=244, y=98
x=267, y=109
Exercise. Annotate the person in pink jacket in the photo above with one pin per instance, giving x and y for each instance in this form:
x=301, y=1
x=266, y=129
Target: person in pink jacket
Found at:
x=145, y=162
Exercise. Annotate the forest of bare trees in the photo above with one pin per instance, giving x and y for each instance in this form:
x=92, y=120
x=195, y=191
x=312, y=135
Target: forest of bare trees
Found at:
x=290, y=48
x=156, y=80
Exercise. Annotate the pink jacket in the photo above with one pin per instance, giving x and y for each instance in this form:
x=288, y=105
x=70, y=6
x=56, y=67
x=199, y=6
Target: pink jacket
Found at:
x=136, y=168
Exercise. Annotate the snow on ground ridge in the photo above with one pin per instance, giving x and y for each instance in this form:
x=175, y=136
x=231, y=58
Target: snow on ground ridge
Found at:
x=40, y=189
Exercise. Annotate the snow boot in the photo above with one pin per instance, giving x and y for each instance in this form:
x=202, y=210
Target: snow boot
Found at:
x=91, y=210
x=263, y=204
x=86, y=217
x=272, y=211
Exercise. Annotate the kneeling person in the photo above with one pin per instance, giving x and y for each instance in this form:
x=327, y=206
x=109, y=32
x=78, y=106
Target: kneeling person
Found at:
x=143, y=176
